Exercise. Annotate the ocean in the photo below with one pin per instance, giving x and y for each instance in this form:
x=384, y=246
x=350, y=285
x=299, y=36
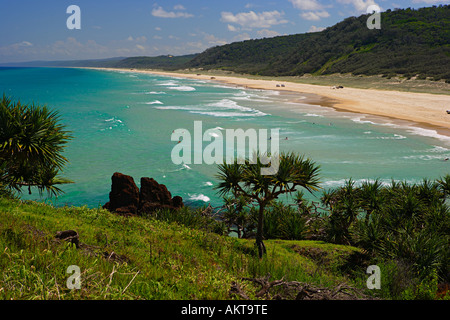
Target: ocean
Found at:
x=123, y=122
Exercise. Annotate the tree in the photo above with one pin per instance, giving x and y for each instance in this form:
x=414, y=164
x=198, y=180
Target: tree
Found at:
x=31, y=144
x=244, y=178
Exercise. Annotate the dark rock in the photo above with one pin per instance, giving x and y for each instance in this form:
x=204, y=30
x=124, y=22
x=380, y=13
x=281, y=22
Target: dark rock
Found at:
x=154, y=196
x=124, y=195
x=153, y=192
x=177, y=202
x=125, y=198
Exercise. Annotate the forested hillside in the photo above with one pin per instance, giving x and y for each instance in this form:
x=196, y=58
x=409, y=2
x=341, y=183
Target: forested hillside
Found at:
x=410, y=42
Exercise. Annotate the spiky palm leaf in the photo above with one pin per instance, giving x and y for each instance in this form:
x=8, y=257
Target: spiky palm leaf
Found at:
x=31, y=144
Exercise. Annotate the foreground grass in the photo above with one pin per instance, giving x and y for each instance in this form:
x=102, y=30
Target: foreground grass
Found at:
x=142, y=258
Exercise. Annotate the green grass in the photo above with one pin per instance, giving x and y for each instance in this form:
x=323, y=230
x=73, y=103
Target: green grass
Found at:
x=144, y=258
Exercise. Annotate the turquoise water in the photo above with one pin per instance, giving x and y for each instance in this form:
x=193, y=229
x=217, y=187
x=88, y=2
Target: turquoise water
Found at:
x=123, y=122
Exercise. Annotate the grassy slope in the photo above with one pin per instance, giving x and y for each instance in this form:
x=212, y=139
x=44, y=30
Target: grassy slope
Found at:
x=137, y=258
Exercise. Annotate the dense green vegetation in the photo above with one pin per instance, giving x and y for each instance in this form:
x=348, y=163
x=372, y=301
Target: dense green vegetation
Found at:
x=405, y=228
x=168, y=62
x=31, y=144
x=410, y=42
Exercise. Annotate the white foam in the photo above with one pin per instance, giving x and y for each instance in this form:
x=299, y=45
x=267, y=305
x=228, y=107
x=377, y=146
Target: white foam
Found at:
x=313, y=115
x=228, y=104
x=184, y=167
x=395, y=137
x=168, y=83
x=359, y=120
x=426, y=157
x=208, y=184
x=154, y=102
x=182, y=88
x=216, y=109
x=229, y=114
x=438, y=149
x=185, y=108
x=199, y=197
x=233, y=105
x=213, y=134
x=156, y=92
x=114, y=120
x=428, y=133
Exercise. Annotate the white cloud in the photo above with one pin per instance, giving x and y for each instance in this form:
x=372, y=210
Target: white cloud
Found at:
x=241, y=37
x=306, y=4
x=267, y=33
x=138, y=39
x=71, y=47
x=232, y=28
x=161, y=13
x=254, y=20
x=179, y=7
x=23, y=44
x=315, y=29
x=212, y=40
x=312, y=9
x=17, y=49
x=314, y=16
x=360, y=5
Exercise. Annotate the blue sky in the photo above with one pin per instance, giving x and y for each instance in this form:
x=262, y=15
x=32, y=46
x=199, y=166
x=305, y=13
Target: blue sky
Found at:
x=36, y=30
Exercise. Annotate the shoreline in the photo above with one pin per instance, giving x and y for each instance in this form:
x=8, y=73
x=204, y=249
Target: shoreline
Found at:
x=424, y=110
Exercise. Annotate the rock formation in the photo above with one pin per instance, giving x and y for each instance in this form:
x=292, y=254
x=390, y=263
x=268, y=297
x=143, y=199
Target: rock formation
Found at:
x=125, y=197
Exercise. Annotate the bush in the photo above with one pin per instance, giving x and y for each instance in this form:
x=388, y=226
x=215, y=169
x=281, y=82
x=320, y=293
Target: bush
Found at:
x=284, y=222
x=406, y=223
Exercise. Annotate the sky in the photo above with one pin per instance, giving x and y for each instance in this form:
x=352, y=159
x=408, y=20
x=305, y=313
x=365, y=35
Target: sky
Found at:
x=38, y=30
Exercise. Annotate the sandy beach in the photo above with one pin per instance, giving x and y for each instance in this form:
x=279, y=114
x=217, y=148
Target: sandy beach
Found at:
x=426, y=110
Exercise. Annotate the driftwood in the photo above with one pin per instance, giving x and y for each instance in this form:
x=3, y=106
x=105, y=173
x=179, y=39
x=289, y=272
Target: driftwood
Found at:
x=295, y=290
x=69, y=236
x=73, y=237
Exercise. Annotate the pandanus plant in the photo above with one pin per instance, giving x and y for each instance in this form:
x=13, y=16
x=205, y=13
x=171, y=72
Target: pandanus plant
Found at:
x=244, y=178
x=32, y=140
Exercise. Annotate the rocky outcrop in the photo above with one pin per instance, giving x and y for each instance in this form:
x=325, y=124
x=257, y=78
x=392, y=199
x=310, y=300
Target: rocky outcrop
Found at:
x=125, y=197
